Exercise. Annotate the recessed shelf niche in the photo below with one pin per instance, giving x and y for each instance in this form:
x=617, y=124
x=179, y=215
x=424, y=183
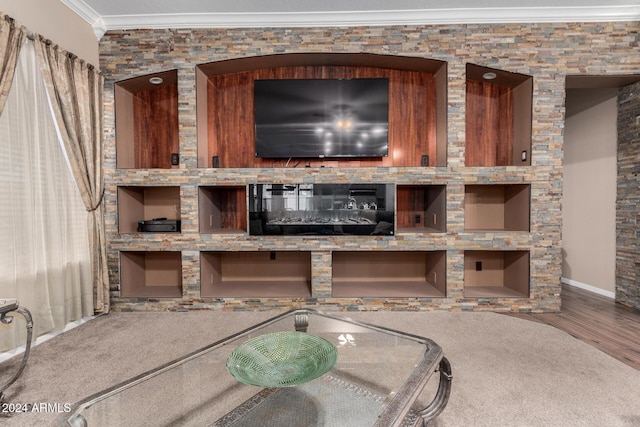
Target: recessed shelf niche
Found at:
x=497, y=207
x=421, y=208
x=417, y=106
x=255, y=274
x=222, y=209
x=498, y=117
x=151, y=274
x=146, y=110
x=402, y=274
x=496, y=274
x=137, y=203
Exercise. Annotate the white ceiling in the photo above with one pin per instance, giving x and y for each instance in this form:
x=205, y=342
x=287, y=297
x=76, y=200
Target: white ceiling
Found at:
x=106, y=15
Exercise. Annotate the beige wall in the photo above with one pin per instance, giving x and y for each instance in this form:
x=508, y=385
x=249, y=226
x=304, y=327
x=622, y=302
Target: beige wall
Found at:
x=57, y=22
x=589, y=205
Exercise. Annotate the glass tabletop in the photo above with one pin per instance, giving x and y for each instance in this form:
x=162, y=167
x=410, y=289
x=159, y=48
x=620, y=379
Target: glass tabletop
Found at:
x=376, y=380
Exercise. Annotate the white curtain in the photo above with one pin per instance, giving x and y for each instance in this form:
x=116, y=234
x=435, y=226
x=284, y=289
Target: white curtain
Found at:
x=44, y=247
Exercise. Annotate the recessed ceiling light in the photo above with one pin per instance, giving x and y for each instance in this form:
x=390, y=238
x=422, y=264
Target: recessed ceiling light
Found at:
x=489, y=76
x=156, y=80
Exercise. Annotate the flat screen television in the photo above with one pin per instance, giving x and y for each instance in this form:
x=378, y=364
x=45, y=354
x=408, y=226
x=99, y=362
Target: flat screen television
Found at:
x=316, y=118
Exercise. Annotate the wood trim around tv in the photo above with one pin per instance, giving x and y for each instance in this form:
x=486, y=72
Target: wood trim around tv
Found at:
x=414, y=106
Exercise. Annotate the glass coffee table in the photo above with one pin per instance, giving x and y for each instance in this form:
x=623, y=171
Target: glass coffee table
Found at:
x=377, y=380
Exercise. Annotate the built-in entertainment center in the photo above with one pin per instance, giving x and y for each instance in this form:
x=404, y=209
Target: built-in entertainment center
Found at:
x=321, y=179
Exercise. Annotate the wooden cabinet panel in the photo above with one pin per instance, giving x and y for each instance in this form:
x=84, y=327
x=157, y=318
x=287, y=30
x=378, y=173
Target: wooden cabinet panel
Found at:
x=489, y=124
x=156, y=126
x=498, y=117
x=412, y=117
x=147, y=121
x=411, y=206
x=230, y=101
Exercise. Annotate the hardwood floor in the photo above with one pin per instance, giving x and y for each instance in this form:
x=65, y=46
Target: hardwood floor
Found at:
x=599, y=321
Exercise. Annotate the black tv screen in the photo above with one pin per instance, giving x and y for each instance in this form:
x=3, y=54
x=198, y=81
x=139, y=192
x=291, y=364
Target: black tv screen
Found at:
x=315, y=118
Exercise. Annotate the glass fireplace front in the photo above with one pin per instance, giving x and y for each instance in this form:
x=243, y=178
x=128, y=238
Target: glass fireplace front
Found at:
x=321, y=209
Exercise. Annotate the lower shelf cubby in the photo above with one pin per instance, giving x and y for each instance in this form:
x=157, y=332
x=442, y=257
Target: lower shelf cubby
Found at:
x=496, y=274
x=255, y=274
x=401, y=274
x=151, y=274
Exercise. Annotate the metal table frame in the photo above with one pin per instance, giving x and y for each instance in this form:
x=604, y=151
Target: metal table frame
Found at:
x=433, y=361
x=8, y=307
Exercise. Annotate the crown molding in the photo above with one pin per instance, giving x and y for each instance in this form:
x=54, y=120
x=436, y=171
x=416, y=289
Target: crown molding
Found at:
x=87, y=13
x=101, y=24
x=82, y=9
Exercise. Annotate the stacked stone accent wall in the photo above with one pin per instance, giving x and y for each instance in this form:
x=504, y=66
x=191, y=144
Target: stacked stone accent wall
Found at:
x=628, y=198
x=548, y=52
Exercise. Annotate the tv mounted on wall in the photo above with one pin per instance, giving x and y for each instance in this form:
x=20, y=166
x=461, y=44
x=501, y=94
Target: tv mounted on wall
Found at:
x=316, y=118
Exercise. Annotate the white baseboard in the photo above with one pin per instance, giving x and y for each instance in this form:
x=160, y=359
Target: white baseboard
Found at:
x=43, y=338
x=589, y=288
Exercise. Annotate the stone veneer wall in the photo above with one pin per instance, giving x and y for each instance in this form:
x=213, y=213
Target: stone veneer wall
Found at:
x=628, y=197
x=548, y=52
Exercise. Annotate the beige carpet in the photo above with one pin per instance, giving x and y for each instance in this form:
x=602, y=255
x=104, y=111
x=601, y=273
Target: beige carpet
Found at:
x=507, y=371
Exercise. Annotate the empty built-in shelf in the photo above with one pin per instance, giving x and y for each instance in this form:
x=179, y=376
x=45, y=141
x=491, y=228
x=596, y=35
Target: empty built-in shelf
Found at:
x=222, y=209
x=146, y=110
x=138, y=203
x=421, y=208
x=497, y=207
x=151, y=274
x=389, y=274
x=498, y=117
x=255, y=274
x=496, y=274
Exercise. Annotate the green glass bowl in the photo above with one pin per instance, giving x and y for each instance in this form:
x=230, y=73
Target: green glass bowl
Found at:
x=282, y=359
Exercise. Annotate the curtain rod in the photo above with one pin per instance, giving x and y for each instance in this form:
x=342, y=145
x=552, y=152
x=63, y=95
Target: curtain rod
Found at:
x=33, y=36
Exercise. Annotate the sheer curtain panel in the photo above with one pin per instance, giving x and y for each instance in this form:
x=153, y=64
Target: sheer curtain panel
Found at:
x=44, y=251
